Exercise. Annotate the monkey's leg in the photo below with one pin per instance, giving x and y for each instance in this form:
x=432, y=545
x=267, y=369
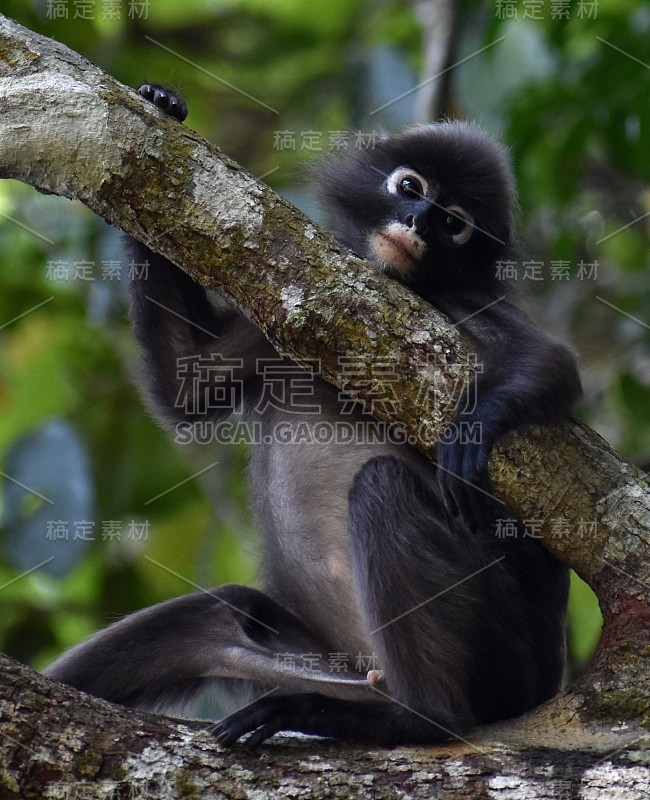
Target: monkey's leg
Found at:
x=169, y=652
x=410, y=572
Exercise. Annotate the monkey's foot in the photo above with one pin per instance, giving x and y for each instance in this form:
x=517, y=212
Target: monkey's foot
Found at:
x=379, y=722
x=267, y=716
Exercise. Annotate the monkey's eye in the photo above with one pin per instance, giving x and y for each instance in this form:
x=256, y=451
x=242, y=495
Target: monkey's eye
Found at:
x=458, y=224
x=407, y=183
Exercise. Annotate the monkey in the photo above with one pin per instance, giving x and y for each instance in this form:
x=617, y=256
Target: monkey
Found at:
x=391, y=610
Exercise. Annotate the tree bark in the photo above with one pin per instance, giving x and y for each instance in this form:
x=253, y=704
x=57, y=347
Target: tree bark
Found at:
x=69, y=129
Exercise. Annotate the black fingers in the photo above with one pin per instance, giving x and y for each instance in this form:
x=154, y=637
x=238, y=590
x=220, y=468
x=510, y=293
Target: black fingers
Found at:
x=164, y=99
x=463, y=477
x=264, y=717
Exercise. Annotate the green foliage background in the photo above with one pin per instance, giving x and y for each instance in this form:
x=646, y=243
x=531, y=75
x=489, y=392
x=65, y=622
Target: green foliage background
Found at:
x=569, y=95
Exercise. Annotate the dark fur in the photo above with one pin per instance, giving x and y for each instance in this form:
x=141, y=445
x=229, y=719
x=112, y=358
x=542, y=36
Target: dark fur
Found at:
x=367, y=548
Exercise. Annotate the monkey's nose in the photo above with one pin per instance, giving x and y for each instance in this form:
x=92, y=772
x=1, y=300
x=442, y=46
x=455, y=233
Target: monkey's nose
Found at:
x=421, y=223
x=409, y=220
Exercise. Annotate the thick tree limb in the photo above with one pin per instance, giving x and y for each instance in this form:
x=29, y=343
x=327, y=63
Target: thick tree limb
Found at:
x=89, y=748
x=69, y=129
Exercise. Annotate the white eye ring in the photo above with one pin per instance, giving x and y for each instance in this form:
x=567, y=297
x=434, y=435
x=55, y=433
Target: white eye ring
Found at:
x=395, y=185
x=458, y=216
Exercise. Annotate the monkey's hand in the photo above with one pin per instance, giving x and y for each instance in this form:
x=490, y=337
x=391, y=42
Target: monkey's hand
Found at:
x=463, y=454
x=164, y=99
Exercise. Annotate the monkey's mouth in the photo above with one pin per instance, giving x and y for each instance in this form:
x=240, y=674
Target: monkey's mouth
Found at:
x=396, y=247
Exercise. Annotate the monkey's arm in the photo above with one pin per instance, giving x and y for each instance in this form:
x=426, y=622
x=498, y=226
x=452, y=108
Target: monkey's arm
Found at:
x=200, y=356
x=525, y=378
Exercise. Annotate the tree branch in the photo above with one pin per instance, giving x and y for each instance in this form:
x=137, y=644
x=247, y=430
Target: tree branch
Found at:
x=69, y=129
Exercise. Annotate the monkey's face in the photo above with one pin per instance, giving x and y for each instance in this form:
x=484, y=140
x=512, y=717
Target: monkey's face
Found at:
x=431, y=206
x=416, y=223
